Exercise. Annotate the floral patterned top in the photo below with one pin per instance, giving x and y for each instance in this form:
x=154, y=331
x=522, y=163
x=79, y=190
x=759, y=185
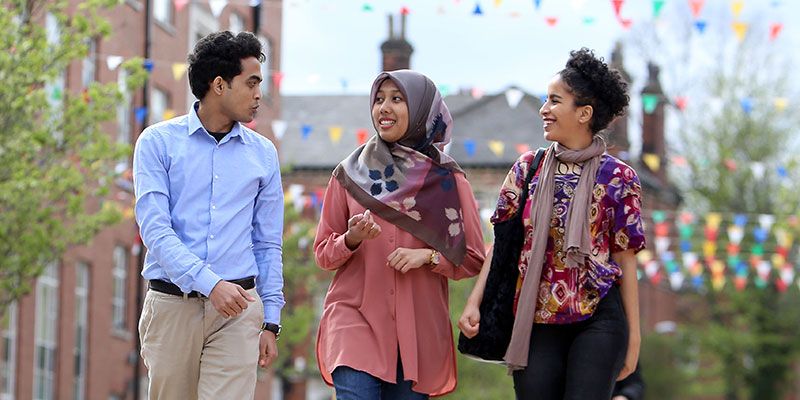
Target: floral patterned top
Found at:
x=569, y=295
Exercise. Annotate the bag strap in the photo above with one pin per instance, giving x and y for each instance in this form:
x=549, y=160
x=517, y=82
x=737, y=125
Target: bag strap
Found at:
x=532, y=171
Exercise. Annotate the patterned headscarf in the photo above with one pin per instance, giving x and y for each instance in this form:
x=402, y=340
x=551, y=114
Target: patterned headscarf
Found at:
x=411, y=183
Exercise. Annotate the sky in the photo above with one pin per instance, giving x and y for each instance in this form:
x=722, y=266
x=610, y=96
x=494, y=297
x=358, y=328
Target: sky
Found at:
x=332, y=46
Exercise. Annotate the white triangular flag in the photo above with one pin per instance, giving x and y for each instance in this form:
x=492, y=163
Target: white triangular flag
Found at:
x=766, y=221
x=217, y=6
x=662, y=244
x=279, y=128
x=758, y=169
x=513, y=97
x=676, y=280
x=113, y=62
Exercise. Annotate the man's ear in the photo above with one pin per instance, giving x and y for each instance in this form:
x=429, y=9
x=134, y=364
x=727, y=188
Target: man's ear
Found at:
x=218, y=85
x=585, y=114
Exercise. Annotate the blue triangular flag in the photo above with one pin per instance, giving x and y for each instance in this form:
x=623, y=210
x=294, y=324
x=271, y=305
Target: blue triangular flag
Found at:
x=469, y=147
x=307, y=131
x=700, y=25
x=141, y=114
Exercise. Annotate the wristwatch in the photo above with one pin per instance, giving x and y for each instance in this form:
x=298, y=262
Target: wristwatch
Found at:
x=274, y=328
x=434, y=260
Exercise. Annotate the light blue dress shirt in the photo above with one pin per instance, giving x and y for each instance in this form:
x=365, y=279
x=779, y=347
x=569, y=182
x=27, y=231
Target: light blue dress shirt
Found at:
x=209, y=211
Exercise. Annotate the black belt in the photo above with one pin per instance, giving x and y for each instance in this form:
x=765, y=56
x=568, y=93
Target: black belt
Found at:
x=173, y=289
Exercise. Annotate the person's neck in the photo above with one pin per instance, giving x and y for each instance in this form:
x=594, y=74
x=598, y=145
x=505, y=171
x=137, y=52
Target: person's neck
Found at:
x=580, y=142
x=212, y=119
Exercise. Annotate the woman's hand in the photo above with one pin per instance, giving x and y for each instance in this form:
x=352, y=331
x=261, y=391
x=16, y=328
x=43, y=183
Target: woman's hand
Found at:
x=469, y=323
x=404, y=260
x=359, y=228
x=632, y=356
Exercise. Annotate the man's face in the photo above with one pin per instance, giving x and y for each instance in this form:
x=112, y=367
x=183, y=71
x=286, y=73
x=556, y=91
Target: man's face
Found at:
x=240, y=99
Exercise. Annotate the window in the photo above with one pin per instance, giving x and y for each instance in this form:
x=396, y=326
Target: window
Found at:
x=235, y=23
x=81, y=326
x=8, y=352
x=162, y=11
x=54, y=90
x=89, y=65
x=118, y=301
x=46, y=334
x=159, y=102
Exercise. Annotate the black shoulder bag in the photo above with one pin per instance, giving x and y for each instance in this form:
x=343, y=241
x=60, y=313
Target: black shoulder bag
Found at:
x=497, y=305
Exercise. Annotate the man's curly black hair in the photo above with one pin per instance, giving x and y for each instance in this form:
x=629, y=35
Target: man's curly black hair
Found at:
x=220, y=54
x=594, y=84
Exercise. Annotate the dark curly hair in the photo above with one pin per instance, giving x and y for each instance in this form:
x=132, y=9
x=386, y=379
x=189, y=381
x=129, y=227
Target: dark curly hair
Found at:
x=594, y=84
x=220, y=54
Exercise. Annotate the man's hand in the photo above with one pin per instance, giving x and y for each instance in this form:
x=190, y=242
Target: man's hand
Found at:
x=229, y=299
x=267, y=349
x=404, y=260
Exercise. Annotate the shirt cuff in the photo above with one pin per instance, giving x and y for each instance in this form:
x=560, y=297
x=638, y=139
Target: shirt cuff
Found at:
x=341, y=250
x=272, y=314
x=206, y=280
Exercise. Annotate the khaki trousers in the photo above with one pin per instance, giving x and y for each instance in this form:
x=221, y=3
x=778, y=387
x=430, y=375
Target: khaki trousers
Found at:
x=193, y=352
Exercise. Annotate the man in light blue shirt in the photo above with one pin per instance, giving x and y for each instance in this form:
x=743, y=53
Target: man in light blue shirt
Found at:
x=209, y=204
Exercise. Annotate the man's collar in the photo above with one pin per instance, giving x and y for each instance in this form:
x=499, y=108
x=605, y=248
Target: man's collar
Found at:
x=196, y=125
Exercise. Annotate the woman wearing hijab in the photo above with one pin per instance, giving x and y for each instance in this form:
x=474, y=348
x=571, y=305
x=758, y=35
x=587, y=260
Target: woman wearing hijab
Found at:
x=576, y=327
x=398, y=219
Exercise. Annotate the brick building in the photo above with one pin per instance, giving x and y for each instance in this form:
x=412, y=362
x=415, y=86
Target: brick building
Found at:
x=75, y=335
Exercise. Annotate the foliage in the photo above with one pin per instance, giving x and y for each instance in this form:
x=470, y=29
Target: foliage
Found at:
x=58, y=161
x=734, y=140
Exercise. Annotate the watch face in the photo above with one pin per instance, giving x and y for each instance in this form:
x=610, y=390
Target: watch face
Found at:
x=436, y=258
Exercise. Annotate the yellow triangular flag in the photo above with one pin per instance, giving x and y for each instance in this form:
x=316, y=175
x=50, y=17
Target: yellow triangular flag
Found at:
x=497, y=3
x=741, y=30
x=497, y=147
x=335, y=133
x=168, y=114
x=178, y=69
x=713, y=220
x=652, y=161
x=781, y=103
x=709, y=249
x=736, y=8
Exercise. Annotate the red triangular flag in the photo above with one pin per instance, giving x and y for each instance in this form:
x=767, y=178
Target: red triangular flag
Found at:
x=696, y=6
x=551, y=21
x=775, y=30
x=361, y=136
x=277, y=77
x=617, y=6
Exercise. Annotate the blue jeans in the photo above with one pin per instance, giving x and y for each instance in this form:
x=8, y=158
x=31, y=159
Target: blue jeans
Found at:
x=352, y=384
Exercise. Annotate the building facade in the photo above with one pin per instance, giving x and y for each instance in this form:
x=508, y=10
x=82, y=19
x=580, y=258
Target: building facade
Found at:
x=75, y=335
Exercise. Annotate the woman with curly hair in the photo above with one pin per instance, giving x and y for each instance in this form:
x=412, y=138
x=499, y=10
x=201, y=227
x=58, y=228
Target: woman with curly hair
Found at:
x=576, y=325
x=399, y=219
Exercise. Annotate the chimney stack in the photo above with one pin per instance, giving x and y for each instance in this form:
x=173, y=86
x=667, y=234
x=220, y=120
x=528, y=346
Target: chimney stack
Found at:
x=618, y=130
x=396, y=50
x=653, y=142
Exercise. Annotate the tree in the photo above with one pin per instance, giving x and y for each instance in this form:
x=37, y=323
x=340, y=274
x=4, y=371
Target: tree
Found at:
x=58, y=162
x=733, y=141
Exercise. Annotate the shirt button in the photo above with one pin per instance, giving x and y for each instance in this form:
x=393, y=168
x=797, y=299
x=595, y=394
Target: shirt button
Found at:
x=216, y=176
x=213, y=207
x=391, y=291
x=211, y=236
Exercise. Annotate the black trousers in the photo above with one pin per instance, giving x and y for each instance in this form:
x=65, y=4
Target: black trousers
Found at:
x=578, y=361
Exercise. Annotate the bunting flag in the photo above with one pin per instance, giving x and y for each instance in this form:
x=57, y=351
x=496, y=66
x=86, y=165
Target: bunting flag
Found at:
x=277, y=77
x=168, y=114
x=178, y=69
x=649, y=101
x=696, y=6
x=652, y=161
x=140, y=113
x=617, y=6
x=551, y=21
x=366, y=7
x=477, y=10
x=537, y=4
x=217, y=6
x=681, y=102
x=335, y=133
x=736, y=8
x=740, y=28
x=700, y=25
x=279, y=128
x=658, y=5
x=513, y=97
x=747, y=105
x=781, y=103
x=497, y=147
x=112, y=62
x=148, y=65
x=361, y=136
x=469, y=147
x=774, y=30
x=522, y=148
x=306, y=131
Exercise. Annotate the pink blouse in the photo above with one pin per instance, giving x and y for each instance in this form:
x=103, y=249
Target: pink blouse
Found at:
x=371, y=310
